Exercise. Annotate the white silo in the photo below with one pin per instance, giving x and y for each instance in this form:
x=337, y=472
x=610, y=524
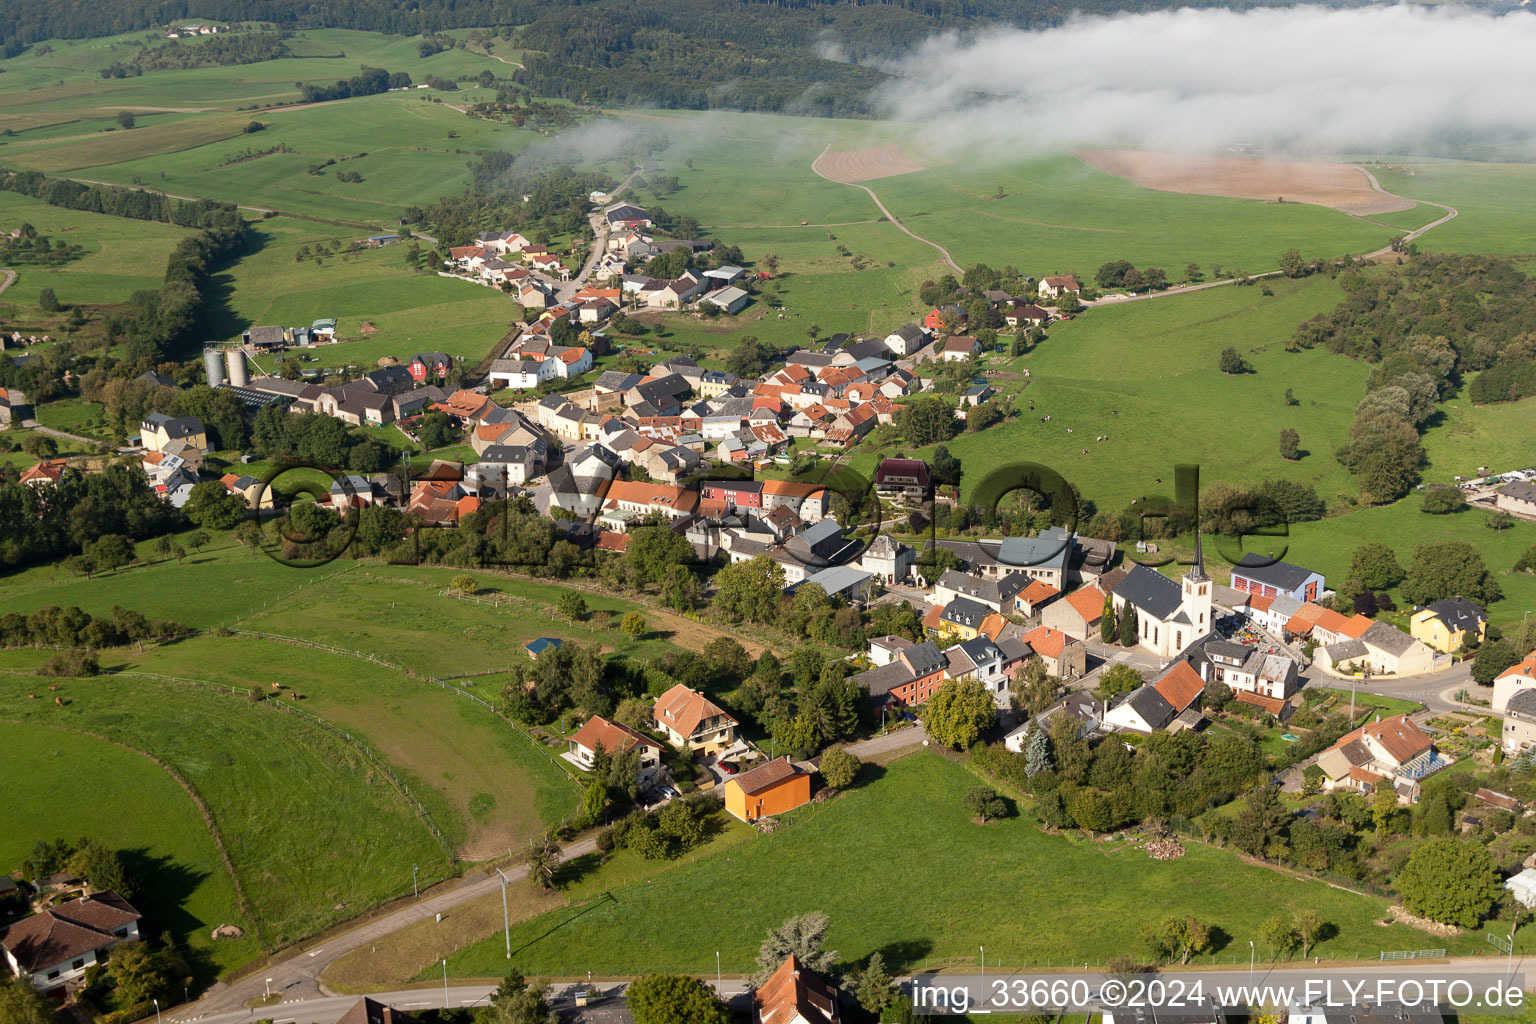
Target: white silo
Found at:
x=213, y=365
x=238, y=376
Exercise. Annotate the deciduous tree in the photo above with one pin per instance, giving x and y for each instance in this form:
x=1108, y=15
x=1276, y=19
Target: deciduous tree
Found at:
x=958, y=712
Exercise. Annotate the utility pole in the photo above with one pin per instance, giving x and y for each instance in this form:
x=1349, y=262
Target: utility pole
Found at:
x=506, y=920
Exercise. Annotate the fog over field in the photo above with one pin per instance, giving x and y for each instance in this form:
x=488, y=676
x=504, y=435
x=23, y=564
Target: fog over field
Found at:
x=1300, y=80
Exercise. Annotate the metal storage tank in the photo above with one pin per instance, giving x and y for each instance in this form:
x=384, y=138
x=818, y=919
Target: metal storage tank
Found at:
x=238, y=376
x=213, y=364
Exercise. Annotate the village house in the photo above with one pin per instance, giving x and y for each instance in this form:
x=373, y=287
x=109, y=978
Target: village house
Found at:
x=1065, y=656
x=518, y=374
x=1055, y=286
x=1169, y=702
x=959, y=348
x=692, y=721
x=904, y=478
x=997, y=594
x=54, y=947
x=1262, y=676
x=1518, y=677
x=14, y=406
x=612, y=738
x=888, y=559
x=794, y=994
x=45, y=473
x=1394, y=750
x=1077, y=614
x=158, y=430
x=768, y=789
x=907, y=340
x=1026, y=315
x=1255, y=574
x=1382, y=649
x=1447, y=624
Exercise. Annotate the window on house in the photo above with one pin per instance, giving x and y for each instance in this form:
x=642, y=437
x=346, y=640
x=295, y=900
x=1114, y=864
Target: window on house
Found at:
x=76, y=965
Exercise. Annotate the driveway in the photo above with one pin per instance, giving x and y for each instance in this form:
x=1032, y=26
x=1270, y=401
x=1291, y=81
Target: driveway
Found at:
x=900, y=739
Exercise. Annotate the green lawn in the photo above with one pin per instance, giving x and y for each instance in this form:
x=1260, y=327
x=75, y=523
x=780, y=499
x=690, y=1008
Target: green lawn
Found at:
x=59, y=784
x=899, y=868
x=316, y=833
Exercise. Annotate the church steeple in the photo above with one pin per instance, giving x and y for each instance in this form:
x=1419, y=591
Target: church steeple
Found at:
x=1196, y=572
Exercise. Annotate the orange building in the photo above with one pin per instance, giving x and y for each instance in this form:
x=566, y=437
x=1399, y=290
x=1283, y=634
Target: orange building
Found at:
x=773, y=788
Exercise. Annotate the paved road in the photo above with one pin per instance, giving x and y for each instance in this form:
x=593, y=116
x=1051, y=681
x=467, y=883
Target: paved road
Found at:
x=60, y=434
x=296, y=972
x=599, y=226
x=7, y=278
x=900, y=739
x=1362, y=977
x=888, y=214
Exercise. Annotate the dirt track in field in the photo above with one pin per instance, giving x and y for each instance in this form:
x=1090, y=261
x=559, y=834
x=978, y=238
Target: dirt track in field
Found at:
x=1341, y=187
x=855, y=165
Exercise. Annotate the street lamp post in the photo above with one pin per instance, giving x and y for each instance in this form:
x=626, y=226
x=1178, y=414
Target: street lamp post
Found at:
x=983, y=958
x=717, y=972
x=1250, y=961
x=445, y=986
x=157, y=1010
x=415, y=890
x=269, y=988
x=506, y=920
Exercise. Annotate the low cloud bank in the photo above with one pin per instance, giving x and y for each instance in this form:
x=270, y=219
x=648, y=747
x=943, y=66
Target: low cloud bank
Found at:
x=1300, y=81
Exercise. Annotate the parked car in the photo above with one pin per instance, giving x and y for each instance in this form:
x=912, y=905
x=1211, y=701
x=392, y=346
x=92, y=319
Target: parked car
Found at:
x=729, y=767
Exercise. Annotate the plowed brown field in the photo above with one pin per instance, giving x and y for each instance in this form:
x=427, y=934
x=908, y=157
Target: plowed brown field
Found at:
x=1339, y=186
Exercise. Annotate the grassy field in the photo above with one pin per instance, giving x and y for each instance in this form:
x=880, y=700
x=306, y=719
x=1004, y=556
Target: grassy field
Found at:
x=441, y=744
x=121, y=256
x=1495, y=203
x=315, y=832
x=1021, y=893
x=1169, y=403
x=59, y=784
x=412, y=312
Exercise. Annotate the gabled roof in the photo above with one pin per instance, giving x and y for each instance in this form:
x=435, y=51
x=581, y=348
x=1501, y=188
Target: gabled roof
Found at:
x=1151, y=592
x=1180, y=685
x=371, y=1011
x=1088, y=602
x=1402, y=739
x=1280, y=575
x=1047, y=642
x=766, y=776
x=1151, y=706
x=794, y=993
x=66, y=931
x=613, y=736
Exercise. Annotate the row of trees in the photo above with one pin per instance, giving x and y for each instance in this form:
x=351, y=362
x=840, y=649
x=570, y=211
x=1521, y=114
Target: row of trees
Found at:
x=72, y=627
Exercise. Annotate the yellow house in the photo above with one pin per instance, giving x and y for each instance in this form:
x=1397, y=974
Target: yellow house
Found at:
x=1446, y=624
x=158, y=430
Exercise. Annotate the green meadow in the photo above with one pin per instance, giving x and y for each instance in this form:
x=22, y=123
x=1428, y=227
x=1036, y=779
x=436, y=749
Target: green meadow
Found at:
x=315, y=831
x=1022, y=893
x=121, y=256
x=1495, y=203
x=410, y=311
x=60, y=784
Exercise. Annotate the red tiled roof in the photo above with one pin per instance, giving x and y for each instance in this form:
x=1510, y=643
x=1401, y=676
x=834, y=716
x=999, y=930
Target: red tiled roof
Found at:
x=614, y=736
x=1046, y=642
x=1087, y=601
x=765, y=776
x=682, y=709
x=794, y=993
x=1180, y=685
